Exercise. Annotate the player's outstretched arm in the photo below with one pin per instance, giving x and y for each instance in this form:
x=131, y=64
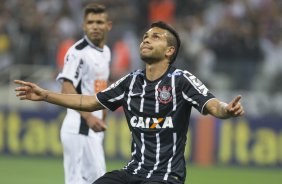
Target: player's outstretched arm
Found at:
x=223, y=110
x=31, y=91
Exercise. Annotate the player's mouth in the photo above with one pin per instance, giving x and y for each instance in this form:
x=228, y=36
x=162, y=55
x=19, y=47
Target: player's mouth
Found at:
x=95, y=34
x=146, y=48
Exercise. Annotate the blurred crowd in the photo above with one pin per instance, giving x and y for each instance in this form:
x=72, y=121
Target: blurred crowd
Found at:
x=228, y=44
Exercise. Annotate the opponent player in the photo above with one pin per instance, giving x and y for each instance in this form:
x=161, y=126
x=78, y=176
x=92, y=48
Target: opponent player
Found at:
x=86, y=71
x=157, y=102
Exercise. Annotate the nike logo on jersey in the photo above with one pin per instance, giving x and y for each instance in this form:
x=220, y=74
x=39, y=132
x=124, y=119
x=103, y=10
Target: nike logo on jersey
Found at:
x=152, y=123
x=135, y=94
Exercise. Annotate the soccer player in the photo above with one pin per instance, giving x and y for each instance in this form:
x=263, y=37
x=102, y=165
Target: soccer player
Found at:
x=157, y=102
x=86, y=71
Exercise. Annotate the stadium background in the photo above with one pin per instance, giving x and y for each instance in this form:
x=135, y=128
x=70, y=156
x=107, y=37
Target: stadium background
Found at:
x=233, y=46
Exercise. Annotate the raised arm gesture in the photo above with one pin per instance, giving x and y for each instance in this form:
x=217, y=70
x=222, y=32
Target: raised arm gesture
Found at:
x=31, y=91
x=234, y=108
x=223, y=110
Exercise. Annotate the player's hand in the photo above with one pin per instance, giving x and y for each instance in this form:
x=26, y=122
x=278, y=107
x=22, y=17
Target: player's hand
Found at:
x=95, y=123
x=235, y=108
x=30, y=91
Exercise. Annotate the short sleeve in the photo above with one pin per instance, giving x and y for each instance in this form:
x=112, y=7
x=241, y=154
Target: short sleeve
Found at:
x=72, y=69
x=195, y=92
x=112, y=97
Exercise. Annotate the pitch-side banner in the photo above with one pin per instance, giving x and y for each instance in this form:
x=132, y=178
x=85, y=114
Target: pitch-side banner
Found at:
x=246, y=141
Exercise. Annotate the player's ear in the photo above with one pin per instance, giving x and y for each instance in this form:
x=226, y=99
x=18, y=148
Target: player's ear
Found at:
x=84, y=26
x=109, y=25
x=170, y=51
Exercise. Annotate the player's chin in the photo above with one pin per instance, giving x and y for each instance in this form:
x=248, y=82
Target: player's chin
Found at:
x=147, y=57
x=95, y=39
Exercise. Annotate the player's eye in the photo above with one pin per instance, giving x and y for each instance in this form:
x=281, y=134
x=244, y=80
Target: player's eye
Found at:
x=156, y=37
x=144, y=37
x=100, y=22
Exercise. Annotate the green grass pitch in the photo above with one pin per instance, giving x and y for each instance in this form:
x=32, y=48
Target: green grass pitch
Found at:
x=30, y=170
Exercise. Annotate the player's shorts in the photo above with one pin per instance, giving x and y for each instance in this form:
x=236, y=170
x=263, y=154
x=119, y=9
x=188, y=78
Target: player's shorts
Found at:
x=84, y=159
x=122, y=177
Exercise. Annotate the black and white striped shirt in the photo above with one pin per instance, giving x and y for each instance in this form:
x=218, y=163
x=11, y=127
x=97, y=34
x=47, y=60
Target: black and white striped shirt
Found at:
x=158, y=115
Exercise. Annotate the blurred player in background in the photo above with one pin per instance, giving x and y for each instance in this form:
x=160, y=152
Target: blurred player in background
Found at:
x=86, y=71
x=157, y=103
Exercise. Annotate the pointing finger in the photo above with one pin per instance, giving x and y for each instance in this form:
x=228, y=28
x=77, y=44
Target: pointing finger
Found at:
x=236, y=100
x=19, y=82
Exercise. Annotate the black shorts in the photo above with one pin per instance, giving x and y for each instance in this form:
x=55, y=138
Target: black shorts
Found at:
x=122, y=177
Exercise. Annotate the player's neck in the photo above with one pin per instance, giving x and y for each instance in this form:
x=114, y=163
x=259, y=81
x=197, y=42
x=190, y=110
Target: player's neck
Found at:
x=100, y=44
x=156, y=70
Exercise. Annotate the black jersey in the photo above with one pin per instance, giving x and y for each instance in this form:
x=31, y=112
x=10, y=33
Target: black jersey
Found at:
x=158, y=115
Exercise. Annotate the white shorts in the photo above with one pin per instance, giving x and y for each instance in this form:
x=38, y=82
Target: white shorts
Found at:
x=84, y=159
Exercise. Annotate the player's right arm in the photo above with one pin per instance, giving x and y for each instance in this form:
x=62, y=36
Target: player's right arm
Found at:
x=31, y=91
x=92, y=121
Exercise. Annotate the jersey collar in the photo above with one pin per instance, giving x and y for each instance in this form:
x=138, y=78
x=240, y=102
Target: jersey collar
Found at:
x=170, y=69
x=92, y=45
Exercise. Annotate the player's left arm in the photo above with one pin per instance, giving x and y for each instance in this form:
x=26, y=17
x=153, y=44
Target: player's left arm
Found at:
x=223, y=110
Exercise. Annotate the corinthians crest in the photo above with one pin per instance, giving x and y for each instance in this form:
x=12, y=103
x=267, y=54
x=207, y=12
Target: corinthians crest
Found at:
x=164, y=94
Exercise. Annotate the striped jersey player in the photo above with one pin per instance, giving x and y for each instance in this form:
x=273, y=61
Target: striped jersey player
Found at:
x=158, y=115
x=157, y=102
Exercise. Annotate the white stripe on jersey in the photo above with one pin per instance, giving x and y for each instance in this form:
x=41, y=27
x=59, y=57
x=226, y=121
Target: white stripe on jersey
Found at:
x=189, y=99
x=156, y=97
x=202, y=111
x=169, y=162
x=142, y=96
x=129, y=163
x=142, y=152
x=132, y=154
x=115, y=84
x=130, y=91
x=117, y=98
x=173, y=91
x=157, y=156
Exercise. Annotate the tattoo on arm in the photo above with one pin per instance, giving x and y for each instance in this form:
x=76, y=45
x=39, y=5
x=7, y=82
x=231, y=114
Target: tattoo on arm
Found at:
x=80, y=102
x=223, y=112
x=223, y=105
x=46, y=97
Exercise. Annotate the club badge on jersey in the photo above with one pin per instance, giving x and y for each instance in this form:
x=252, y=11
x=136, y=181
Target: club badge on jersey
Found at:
x=165, y=94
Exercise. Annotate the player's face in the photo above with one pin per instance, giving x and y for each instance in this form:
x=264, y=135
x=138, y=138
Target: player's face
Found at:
x=96, y=27
x=154, y=45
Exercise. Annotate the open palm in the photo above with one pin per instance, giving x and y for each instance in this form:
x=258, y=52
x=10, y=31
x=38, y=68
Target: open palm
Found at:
x=29, y=91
